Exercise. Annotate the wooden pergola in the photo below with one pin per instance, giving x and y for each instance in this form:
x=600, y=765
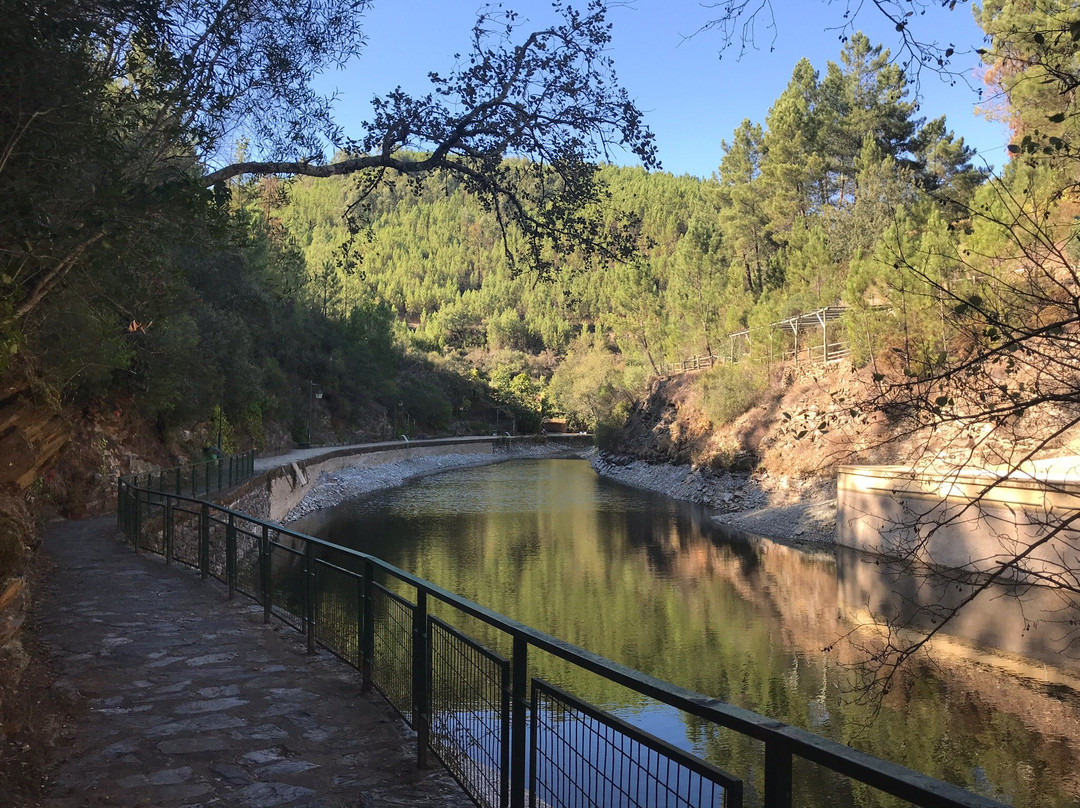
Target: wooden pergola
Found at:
x=801, y=323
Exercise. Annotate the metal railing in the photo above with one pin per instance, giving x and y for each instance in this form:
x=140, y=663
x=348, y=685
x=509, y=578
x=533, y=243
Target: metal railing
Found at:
x=508, y=738
x=208, y=477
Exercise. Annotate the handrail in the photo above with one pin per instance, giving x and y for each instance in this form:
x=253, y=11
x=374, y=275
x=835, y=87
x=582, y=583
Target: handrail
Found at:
x=217, y=474
x=782, y=742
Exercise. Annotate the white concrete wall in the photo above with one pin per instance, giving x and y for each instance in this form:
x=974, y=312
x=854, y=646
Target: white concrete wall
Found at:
x=960, y=518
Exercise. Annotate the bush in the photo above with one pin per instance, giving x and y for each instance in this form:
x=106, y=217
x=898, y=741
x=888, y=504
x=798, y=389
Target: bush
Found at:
x=727, y=391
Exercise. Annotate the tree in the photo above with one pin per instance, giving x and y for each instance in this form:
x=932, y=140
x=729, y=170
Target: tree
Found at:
x=987, y=288
x=743, y=24
x=149, y=93
x=743, y=215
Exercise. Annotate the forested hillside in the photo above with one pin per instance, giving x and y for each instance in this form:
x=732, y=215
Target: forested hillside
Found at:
x=803, y=212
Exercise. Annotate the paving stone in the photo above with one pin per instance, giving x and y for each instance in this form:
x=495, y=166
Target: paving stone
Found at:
x=263, y=732
x=261, y=756
x=209, y=659
x=209, y=706
x=198, y=704
x=284, y=767
x=165, y=777
x=232, y=774
x=266, y=795
x=203, y=723
x=191, y=746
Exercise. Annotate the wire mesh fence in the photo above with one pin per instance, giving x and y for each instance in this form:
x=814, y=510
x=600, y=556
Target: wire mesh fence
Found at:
x=470, y=705
x=248, y=573
x=392, y=661
x=287, y=583
x=470, y=713
x=582, y=757
x=339, y=611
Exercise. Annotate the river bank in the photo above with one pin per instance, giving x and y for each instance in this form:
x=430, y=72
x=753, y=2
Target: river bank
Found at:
x=775, y=508
x=334, y=488
x=754, y=503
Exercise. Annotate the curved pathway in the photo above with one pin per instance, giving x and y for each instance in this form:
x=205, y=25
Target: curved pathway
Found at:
x=188, y=699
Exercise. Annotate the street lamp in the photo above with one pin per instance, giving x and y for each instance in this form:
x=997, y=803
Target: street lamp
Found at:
x=314, y=392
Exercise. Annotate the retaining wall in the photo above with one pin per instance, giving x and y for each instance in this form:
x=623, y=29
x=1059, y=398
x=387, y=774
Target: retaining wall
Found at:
x=964, y=518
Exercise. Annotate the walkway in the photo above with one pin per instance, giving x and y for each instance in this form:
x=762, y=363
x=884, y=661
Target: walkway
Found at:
x=192, y=701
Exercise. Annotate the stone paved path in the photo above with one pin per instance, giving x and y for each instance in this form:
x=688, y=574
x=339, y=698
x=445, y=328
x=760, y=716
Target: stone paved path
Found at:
x=190, y=700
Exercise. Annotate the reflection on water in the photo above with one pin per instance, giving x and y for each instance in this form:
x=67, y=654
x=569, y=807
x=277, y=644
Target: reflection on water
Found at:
x=654, y=584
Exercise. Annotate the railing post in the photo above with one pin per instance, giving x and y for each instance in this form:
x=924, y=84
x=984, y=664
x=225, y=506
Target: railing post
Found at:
x=169, y=529
x=219, y=472
x=367, y=643
x=505, y=705
x=138, y=520
x=179, y=481
x=309, y=595
x=519, y=710
x=777, y=774
x=204, y=541
x=194, y=477
x=230, y=556
x=266, y=583
x=421, y=679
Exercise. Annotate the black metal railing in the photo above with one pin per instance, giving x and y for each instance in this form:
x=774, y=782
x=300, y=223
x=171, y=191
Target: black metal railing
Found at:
x=198, y=479
x=509, y=738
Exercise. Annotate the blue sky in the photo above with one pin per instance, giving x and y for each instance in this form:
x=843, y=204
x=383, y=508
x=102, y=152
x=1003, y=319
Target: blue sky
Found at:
x=691, y=96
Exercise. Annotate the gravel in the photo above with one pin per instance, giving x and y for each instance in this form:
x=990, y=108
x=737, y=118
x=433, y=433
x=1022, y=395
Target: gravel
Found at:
x=774, y=509
x=769, y=508
x=334, y=488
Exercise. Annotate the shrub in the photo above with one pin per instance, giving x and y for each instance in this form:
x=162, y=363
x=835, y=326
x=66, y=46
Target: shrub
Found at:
x=727, y=391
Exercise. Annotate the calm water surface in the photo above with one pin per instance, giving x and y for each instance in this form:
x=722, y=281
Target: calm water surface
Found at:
x=653, y=584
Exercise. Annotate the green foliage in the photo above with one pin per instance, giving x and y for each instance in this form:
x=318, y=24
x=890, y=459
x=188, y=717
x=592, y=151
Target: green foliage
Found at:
x=595, y=387
x=221, y=430
x=424, y=401
x=728, y=391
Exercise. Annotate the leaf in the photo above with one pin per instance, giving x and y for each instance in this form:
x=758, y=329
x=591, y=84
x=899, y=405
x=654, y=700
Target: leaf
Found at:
x=941, y=401
x=1056, y=118
x=800, y=435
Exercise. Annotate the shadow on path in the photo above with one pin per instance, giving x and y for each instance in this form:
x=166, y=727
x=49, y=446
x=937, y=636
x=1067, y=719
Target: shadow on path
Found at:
x=190, y=700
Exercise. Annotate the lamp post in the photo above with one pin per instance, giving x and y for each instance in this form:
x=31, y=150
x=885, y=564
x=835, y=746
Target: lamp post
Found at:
x=220, y=417
x=314, y=392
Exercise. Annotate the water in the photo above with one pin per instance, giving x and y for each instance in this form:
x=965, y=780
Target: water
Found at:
x=653, y=584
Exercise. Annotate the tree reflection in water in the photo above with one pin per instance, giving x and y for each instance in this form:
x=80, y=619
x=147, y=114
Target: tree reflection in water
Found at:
x=654, y=584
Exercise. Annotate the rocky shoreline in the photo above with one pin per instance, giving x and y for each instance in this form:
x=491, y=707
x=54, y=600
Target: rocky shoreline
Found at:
x=334, y=488
x=774, y=509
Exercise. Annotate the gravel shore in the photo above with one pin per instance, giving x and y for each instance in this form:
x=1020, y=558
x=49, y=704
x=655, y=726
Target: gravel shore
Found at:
x=773, y=509
x=337, y=487
x=740, y=500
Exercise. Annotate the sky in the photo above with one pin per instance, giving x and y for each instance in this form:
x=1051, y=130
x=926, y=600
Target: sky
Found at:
x=692, y=96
